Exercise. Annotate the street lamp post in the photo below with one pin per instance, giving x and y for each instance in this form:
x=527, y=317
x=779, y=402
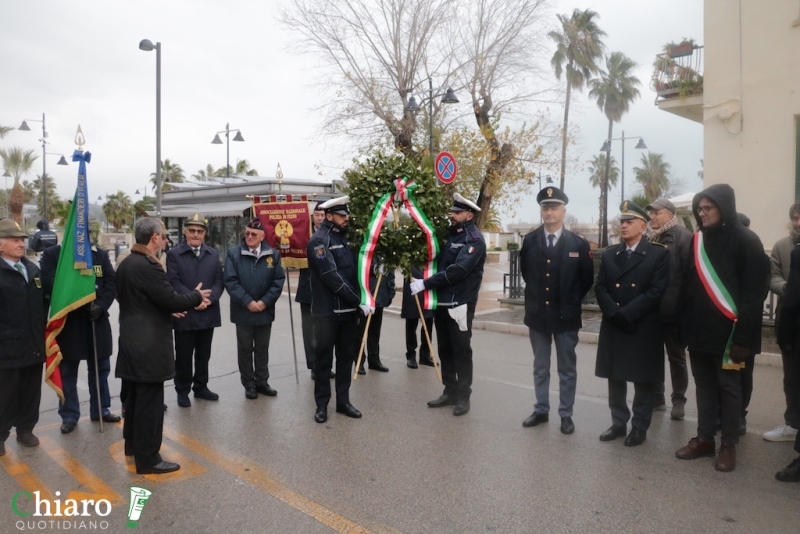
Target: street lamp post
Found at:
x=217, y=141
x=24, y=127
x=147, y=46
x=448, y=98
x=7, y=175
x=607, y=149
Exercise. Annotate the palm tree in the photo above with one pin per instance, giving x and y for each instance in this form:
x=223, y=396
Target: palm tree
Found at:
x=4, y=130
x=118, y=209
x=52, y=196
x=653, y=175
x=579, y=47
x=60, y=210
x=597, y=170
x=171, y=173
x=243, y=168
x=18, y=162
x=205, y=174
x=614, y=91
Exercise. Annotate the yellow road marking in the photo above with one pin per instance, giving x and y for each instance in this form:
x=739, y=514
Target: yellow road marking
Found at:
x=254, y=474
x=189, y=468
x=96, y=488
x=27, y=479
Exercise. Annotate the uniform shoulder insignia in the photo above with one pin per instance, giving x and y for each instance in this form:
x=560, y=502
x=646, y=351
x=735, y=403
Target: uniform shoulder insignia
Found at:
x=475, y=234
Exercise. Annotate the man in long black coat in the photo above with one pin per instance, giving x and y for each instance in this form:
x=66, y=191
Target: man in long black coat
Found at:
x=632, y=281
x=410, y=312
x=76, y=342
x=188, y=264
x=146, y=358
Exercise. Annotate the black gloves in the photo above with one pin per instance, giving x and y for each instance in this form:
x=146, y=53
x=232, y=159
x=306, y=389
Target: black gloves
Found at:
x=95, y=311
x=622, y=322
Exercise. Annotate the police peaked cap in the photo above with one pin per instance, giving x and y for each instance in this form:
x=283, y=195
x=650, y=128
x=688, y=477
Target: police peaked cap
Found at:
x=630, y=210
x=462, y=204
x=336, y=205
x=550, y=196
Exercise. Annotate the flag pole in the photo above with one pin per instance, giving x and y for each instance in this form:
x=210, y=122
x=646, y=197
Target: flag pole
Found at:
x=97, y=379
x=291, y=322
x=366, y=330
x=428, y=338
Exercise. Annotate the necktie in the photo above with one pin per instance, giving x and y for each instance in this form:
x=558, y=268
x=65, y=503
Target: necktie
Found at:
x=21, y=269
x=196, y=252
x=255, y=252
x=628, y=254
x=550, y=239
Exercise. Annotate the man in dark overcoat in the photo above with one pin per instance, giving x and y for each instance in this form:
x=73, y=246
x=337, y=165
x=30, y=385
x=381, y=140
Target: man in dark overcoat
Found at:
x=76, y=339
x=632, y=281
x=384, y=297
x=22, y=320
x=189, y=264
x=303, y=297
x=410, y=312
x=558, y=272
x=146, y=357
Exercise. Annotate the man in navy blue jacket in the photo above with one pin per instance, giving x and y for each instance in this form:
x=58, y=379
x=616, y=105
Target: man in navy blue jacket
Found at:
x=558, y=272
x=188, y=264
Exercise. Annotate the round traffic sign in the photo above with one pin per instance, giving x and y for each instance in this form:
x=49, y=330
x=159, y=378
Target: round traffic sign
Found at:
x=445, y=167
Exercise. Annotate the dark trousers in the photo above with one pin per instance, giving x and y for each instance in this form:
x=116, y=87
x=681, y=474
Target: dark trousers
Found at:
x=792, y=414
x=676, y=354
x=192, y=345
x=70, y=409
x=747, y=383
x=20, y=394
x=718, y=391
x=642, y=403
x=455, y=353
x=144, y=421
x=795, y=389
x=308, y=333
x=340, y=334
x=411, y=339
x=253, y=350
x=373, y=348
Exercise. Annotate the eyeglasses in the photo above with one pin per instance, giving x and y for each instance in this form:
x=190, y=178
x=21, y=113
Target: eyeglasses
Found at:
x=196, y=230
x=705, y=209
x=252, y=234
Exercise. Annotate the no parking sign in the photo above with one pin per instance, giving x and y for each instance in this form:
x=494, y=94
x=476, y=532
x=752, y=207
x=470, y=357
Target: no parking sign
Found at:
x=445, y=167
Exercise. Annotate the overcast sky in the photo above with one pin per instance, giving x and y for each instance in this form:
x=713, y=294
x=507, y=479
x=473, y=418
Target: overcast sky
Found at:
x=79, y=63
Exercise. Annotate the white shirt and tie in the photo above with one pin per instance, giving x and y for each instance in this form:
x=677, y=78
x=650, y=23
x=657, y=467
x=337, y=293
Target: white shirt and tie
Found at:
x=552, y=239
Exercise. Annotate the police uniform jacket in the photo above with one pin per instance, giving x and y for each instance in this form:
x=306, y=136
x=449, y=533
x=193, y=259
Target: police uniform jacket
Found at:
x=558, y=307
x=22, y=316
x=632, y=288
x=460, y=267
x=146, y=304
x=185, y=271
x=248, y=278
x=334, y=284
x=75, y=340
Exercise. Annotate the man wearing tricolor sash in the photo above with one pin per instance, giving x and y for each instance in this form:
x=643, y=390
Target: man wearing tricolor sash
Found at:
x=724, y=310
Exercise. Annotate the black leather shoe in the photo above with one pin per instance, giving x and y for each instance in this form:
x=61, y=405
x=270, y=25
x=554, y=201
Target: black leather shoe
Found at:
x=28, y=439
x=183, y=400
x=321, y=415
x=266, y=390
x=535, y=419
x=108, y=418
x=206, y=394
x=462, y=407
x=426, y=361
x=68, y=426
x=443, y=400
x=159, y=469
x=2, y=448
x=613, y=433
x=790, y=473
x=376, y=365
x=412, y=364
x=348, y=410
x=567, y=426
x=361, y=370
x=250, y=393
x=636, y=437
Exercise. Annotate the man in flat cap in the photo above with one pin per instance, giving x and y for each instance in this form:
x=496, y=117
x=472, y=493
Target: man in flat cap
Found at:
x=632, y=281
x=457, y=282
x=664, y=229
x=22, y=320
x=254, y=280
x=335, y=302
x=188, y=264
x=558, y=272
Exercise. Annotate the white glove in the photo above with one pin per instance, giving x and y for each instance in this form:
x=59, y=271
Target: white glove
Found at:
x=459, y=315
x=417, y=285
x=382, y=268
x=366, y=309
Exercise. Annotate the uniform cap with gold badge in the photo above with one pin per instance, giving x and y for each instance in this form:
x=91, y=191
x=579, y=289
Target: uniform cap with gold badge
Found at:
x=630, y=210
x=462, y=204
x=196, y=220
x=9, y=228
x=551, y=196
x=336, y=205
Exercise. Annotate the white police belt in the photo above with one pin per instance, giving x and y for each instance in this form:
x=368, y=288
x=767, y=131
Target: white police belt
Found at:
x=459, y=315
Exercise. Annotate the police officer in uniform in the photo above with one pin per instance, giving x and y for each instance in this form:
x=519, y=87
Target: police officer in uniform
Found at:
x=335, y=301
x=558, y=272
x=457, y=282
x=632, y=281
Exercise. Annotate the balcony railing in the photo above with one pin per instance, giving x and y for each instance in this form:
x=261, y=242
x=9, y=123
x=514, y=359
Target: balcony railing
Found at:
x=678, y=72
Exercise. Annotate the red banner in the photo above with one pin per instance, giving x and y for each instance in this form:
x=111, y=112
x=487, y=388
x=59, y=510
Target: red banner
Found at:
x=287, y=226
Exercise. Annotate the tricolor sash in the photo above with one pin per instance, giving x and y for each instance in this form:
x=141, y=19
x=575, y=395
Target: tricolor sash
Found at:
x=718, y=294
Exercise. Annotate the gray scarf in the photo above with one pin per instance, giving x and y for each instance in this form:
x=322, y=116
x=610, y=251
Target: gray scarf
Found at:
x=653, y=235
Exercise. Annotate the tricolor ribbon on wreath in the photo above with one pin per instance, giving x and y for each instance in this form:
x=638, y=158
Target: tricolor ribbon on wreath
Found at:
x=403, y=195
x=718, y=294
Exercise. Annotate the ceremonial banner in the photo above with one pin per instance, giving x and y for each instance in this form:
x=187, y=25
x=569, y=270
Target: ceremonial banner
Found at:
x=287, y=224
x=74, y=283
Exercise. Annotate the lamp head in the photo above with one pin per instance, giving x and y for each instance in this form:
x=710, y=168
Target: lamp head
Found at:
x=606, y=146
x=449, y=97
x=641, y=144
x=412, y=105
x=217, y=140
x=62, y=161
x=238, y=137
x=24, y=127
x=146, y=45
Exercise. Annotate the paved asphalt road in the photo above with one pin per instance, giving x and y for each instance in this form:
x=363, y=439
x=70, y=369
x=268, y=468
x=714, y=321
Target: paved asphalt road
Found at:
x=265, y=466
